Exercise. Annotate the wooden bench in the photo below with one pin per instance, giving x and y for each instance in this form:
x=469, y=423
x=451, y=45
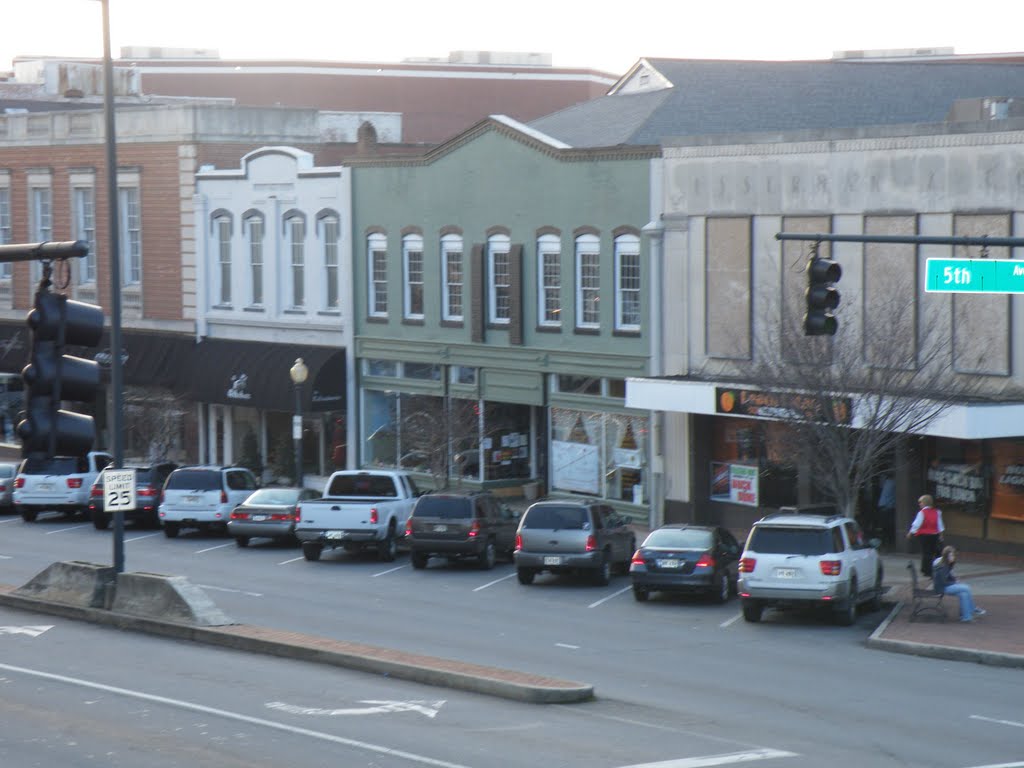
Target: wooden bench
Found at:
x=924, y=600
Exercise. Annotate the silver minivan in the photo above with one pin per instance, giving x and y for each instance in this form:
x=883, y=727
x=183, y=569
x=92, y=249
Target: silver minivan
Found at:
x=203, y=497
x=573, y=536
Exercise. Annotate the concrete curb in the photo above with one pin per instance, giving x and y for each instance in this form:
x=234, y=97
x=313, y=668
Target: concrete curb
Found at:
x=951, y=653
x=492, y=681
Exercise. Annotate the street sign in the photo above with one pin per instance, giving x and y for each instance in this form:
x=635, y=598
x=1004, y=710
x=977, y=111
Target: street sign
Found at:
x=118, y=490
x=974, y=276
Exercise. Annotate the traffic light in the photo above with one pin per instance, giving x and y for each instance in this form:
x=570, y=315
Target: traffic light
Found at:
x=822, y=297
x=52, y=377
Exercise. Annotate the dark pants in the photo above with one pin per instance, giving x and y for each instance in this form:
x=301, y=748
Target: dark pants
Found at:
x=929, y=551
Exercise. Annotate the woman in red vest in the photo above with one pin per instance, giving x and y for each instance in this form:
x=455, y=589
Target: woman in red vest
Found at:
x=928, y=529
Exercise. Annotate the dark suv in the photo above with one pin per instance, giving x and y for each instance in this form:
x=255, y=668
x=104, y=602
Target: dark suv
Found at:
x=460, y=524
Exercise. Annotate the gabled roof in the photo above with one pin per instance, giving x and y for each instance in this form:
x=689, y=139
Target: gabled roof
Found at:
x=661, y=98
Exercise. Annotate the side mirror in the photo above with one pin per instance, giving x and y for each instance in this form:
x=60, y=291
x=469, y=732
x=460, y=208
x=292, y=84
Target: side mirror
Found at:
x=875, y=543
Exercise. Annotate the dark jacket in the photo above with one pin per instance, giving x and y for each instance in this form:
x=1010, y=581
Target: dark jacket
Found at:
x=942, y=577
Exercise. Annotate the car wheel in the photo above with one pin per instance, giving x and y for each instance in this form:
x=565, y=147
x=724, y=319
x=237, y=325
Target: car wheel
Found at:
x=100, y=521
x=242, y=541
x=721, y=588
x=640, y=594
x=28, y=515
x=488, y=557
x=419, y=560
x=876, y=597
x=387, y=550
x=603, y=574
x=311, y=550
x=846, y=615
x=752, y=611
x=525, y=575
x=171, y=530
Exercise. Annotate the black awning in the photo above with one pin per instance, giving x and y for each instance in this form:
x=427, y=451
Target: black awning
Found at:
x=254, y=374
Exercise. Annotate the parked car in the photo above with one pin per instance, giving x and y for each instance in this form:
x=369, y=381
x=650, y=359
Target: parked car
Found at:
x=460, y=525
x=562, y=536
x=149, y=481
x=269, y=512
x=7, y=472
x=794, y=559
x=203, y=497
x=686, y=558
x=59, y=484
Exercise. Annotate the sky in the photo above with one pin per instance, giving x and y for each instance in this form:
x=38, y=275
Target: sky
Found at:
x=608, y=36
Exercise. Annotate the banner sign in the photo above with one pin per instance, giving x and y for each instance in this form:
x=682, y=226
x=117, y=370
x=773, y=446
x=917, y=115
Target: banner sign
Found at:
x=787, y=406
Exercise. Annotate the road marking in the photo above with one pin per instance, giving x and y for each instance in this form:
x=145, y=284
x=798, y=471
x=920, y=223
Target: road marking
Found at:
x=11, y=520
x=566, y=645
x=730, y=759
x=428, y=708
x=258, y=721
x=210, y=549
x=293, y=560
x=64, y=530
x=728, y=623
x=1014, y=723
x=234, y=591
x=606, y=599
x=389, y=570
x=6, y=557
x=1000, y=765
x=492, y=583
x=34, y=631
x=140, y=538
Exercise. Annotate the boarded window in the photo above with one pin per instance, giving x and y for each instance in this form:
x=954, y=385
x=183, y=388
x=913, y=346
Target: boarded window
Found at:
x=728, y=297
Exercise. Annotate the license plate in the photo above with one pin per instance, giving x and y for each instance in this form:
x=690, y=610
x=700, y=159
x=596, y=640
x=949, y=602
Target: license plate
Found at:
x=333, y=535
x=552, y=561
x=785, y=573
x=193, y=499
x=44, y=487
x=440, y=528
x=259, y=518
x=669, y=563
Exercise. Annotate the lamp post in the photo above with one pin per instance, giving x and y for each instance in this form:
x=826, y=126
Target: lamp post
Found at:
x=299, y=372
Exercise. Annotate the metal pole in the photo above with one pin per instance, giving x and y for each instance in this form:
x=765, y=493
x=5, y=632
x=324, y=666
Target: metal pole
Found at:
x=115, y=276
x=982, y=240
x=297, y=434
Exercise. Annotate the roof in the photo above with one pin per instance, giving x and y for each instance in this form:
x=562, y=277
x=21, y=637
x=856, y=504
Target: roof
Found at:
x=661, y=98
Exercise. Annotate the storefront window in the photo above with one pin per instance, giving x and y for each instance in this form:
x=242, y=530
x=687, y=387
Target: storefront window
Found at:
x=380, y=428
x=750, y=463
x=506, y=441
x=422, y=371
x=957, y=475
x=381, y=368
x=579, y=385
x=601, y=454
x=463, y=374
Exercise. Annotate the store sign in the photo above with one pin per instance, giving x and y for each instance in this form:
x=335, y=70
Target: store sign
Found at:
x=735, y=483
x=576, y=467
x=957, y=482
x=626, y=458
x=787, y=406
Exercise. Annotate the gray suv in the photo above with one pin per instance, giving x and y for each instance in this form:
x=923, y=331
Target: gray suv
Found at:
x=573, y=536
x=460, y=524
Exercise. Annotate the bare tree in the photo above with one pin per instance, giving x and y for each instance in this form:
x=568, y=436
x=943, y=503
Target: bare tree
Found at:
x=440, y=436
x=152, y=423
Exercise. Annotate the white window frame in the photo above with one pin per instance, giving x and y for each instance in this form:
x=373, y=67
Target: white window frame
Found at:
x=377, y=275
x=40, y=196
x=222, y=237
x=330, y=237
x=412, y=277
x=627, y=282
x=499, y=279
x=295, y=232
x=453, y=276
x=130, y=232
x=549, y=281
x=254, y=245
x=5, y=226
x=588, y=281
x=83, y=205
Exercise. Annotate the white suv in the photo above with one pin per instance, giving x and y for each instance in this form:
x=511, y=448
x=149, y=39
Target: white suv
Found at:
x=59, y=483
x=794, y=558
x=203, y=497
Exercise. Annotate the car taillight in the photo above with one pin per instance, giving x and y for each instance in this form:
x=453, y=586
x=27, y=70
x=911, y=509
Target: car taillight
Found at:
x=74, y=482
x=591, y=543
x=374, y=518
x=3, y=486
x=830, y=567
x=236, y=515
x=145, y=490
x=298, y=513
x=408, y=528
x=747, y=564
x=282, y=517
x=19, y=482
x=706, y=561
x=638, y=558
x=223, y=497
x=96, y=491
x=474, y=529
x=519, y=542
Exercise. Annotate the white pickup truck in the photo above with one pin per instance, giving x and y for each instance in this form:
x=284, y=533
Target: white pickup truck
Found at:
x=359, y=509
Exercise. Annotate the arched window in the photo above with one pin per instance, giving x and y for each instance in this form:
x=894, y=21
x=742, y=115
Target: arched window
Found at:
x=253, y=228
x=499, y=279
x=295, y=234
x=627, y=283
x=329, y=225
x=549, y=280
x=454, y=277
x=588, y=281
x=412, y=265
x=377, y=274
x=222, y=245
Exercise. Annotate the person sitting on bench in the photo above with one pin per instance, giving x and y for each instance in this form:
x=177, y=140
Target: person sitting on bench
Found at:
x=946, y=583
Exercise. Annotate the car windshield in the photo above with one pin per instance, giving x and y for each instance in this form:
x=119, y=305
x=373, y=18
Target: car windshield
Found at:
x=676, y=538
x=557, y=518
x=194, y=480
x=448, y=507
x=774, y=540
x=282, y=496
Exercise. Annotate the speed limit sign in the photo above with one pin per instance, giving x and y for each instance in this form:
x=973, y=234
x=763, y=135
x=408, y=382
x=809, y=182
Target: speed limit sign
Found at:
x=118, y=490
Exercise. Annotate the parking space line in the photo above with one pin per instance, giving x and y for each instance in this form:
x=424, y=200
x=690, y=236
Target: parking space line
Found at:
x=703, y=762
x=11, y=520
x=293, y=560
x=492, y=583
x=606, y=599
x=6, y=557
x=62, y=530
x=729, y=622
x=140, y=538
x=210, y=549
x=389, y=570
x=227, y=589
x=998, y=722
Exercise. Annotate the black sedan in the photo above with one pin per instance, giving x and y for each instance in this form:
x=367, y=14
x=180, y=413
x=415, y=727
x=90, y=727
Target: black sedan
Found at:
x=686, y=558
x=268, y=512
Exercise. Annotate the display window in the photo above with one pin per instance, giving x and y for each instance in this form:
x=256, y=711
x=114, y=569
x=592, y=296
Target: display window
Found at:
x=600, y=454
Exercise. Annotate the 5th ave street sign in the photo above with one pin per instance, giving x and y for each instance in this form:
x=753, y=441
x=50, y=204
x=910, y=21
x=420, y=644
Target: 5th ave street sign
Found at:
x=974, y=276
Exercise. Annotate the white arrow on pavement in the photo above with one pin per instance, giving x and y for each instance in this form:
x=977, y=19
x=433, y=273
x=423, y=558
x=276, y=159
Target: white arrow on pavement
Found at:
x=35, y=631
x=428, y=708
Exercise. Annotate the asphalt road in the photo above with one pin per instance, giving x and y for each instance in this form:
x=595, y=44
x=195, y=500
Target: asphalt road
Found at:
x=678, y=680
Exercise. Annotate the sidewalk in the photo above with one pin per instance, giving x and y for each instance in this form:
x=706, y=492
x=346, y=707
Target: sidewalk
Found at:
x=996, y=638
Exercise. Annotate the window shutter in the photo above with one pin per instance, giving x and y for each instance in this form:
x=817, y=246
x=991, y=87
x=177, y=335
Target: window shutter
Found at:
x=478, y=289
x=515, y=319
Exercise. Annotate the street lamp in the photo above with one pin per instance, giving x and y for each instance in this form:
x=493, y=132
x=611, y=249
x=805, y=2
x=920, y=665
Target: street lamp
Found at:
x=299, y=372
